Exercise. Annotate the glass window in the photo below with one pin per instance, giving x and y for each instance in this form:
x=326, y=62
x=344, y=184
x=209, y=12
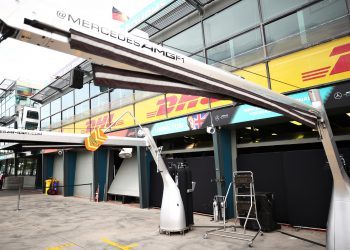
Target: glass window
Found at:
x=121, y=97
x=189, y=41
x=310, y=25
x=199, y=57
x=273, y=8
x=231, y=21
x=22, y=100
x=239, y=51
x=82, y=108
x=67, y=114
x=95, y=90
x=81, y=94
x=100, y=103
x=11, y=101
x=45, y=111
x=45, y=123
x=31, y=125
x=56, y=119
x=56, y=106
x=12, y=110
x=141, y=95
x=67, y=100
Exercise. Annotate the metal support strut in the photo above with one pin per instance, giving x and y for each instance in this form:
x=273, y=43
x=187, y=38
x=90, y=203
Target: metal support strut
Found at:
x=338, y=226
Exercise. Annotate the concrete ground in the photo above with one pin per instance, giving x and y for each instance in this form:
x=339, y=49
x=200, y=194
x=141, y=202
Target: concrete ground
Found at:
x=56, y=222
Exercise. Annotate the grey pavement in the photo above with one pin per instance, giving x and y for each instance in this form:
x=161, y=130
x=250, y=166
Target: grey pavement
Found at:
x=56, y=222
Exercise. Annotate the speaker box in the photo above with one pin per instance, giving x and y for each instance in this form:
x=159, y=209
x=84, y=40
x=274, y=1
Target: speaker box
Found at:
x=264, y=205
x=76, y=79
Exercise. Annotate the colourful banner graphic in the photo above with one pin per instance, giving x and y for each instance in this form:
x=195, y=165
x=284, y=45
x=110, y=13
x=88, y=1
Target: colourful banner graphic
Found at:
x=325, y=63
x=256, y=74
x=243, y=113
x=179, y=105
x=95, y=140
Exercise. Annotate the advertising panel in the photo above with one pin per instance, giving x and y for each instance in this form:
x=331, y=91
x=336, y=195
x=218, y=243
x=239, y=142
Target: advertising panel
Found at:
x=99, y=121
x=150, y=110
x=82, y=127
x=68, y=128
x=178, y=105
x=332, y=96
x=321, y=64
x=126, y=121
x=215, y=103
x=256, y=74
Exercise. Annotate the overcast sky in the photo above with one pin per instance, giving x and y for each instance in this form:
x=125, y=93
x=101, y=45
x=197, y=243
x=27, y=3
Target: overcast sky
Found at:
x=38, y=66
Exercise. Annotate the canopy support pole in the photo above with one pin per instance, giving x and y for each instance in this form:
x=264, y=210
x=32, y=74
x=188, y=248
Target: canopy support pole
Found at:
x=338, y=226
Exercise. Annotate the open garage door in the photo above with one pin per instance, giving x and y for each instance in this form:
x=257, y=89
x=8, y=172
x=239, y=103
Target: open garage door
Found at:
x=126, y=181
x=83, y=173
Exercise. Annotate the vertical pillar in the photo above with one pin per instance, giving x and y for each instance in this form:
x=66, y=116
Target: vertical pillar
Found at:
x=69, y=165
x=15, y=162
x=39, y=171
x=223, y=165
x=109, y=172
x=144, y=175
x=47, y=166
x=100, y=171
x=234, y=164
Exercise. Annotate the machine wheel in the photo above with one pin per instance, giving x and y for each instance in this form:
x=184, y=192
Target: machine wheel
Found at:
x=205, y=236
x=262, y=234
x=250, y=244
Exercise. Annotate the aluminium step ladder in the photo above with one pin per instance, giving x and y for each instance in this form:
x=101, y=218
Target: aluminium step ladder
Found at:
x=245, y=207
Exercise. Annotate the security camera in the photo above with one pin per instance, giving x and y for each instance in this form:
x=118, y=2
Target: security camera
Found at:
x=125, y=153
x=210, y=129
x=140, y=133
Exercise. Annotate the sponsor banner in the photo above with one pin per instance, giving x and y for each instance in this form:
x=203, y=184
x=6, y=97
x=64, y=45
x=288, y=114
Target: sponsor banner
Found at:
x=247, y=112
x=104, y=120
x=49, y=150
x=223, y=116
x=332, y=96
x=320, y=64
x=151, y=110
x=97, y=122
x=171, y=126
x=82, y=127
x=339, y=97
x=126, y=121
x=256, y=74
x=244, y=113
x=68, y=128
x=131, y=132
x=215, y=103
x=179, y=105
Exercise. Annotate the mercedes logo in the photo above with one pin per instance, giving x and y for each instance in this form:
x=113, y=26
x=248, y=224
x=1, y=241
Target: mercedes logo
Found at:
x=338, y=95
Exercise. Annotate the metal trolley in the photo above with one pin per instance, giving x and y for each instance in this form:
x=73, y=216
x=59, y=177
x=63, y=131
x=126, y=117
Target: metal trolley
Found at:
x=245, y=206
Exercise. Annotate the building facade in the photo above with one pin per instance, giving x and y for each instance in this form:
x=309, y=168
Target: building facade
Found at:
x=286, y=46
x=20, y=112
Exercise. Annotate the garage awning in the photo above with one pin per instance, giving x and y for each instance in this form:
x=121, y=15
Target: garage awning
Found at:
x=126, y=79
x=153, y=58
